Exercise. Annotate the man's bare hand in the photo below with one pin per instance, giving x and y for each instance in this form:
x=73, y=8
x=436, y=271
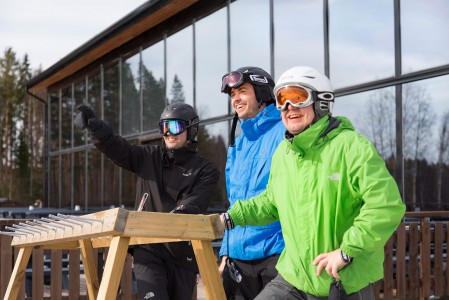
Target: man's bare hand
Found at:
x=331, y=261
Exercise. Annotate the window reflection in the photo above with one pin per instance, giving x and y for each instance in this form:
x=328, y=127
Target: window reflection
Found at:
x=424, y=34
x=211, y=64
x=94, y=179
x=111, y=97
x=212, y=144
x=54, y=121
x=298, y=43
x=179, y=67
x=361, y=41
x=250, y=34
x=131, y=95
x=94, y=93
x=80, y=98
x=66, y=117
x=66, y=172
x=153, y=85
x=54, y=182
x=426, y=144
x=79, y=183
x=373, y=115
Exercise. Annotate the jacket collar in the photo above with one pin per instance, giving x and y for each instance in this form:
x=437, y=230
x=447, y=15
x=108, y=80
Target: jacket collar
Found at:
x=255, y=127
x=319, y=133
x=181, y=155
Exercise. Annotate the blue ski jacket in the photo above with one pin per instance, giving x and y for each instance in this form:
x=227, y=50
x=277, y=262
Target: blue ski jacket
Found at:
x=247, y=172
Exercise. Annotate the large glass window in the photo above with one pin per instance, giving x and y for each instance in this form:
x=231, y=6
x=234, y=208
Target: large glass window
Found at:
x=153, y=85
x=80, y=98
x=66, y=173
x=54, y=182
x=298, y=43
x=250, y=34
x=66, y=117
x=79, y=182
x=361, y=41
x=111, y=97
x=94, y=93
x=94, y=177
x=54, y=121
x=424, y=34
x=373, y=114
x=131, y=95
x=211, y=65
x=426, y=143
x=212, y=144
x=180, y=67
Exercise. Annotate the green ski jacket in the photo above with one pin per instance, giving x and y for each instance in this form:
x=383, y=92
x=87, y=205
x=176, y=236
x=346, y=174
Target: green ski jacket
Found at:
x=330, y=189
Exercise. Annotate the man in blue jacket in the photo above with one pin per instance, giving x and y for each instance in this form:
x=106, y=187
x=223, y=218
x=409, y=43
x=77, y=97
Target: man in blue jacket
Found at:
x=250, y=253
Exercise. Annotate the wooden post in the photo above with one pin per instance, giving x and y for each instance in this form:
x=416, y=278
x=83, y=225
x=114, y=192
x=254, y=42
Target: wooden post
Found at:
x=18, y=273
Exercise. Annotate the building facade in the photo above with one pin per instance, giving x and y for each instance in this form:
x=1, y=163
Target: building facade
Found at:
x=387, y=60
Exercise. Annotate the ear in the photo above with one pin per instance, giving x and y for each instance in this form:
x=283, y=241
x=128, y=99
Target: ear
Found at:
x=193, y=133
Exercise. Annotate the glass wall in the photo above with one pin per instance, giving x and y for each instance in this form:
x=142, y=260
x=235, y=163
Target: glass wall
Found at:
x=180, y=67
x=424, y=34
x=294, y=41
x=361, y=41
x=426, y=143
x=129, y=93
x=250, y=34
x=211, y=59
x=153, y=85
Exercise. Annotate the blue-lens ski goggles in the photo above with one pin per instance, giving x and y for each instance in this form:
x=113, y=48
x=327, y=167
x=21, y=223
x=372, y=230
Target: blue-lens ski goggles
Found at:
x=175, y=127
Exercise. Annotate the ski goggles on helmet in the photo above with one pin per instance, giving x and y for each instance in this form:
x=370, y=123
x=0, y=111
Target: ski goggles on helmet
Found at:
x=175, y=127
x=299, y=96
x=231, y=80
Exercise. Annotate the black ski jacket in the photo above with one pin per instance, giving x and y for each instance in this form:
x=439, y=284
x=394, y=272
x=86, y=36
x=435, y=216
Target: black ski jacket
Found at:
x=178, y=181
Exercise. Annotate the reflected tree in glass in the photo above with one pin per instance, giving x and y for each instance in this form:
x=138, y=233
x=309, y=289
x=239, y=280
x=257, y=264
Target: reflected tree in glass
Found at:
x=379, y=123
x=153, y=91
x=214, y=148
x=418, y=121
x=111, y=97
x=130, y=102
x=177, y=91
x=443, y=155
x=66, y=117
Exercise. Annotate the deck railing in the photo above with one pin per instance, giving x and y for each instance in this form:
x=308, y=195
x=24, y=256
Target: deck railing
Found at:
x=415, y=264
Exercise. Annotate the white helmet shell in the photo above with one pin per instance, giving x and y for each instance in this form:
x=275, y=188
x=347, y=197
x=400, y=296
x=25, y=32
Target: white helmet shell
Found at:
x=314, y=80
x=306, y=76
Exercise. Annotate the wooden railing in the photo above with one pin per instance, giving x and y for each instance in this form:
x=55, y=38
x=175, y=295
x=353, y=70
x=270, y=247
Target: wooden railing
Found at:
x=415, y=265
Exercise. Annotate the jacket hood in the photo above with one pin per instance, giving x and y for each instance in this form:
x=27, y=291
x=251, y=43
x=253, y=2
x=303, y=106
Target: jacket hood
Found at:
x=261, y=123
x=319, y=133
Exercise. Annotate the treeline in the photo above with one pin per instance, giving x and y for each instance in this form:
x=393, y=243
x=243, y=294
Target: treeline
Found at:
x=21, y=132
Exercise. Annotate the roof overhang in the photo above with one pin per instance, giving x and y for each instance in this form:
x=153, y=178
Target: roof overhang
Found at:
x=128, y=28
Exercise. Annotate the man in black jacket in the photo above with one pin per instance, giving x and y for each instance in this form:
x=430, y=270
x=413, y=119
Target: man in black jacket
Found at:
x=176, y=179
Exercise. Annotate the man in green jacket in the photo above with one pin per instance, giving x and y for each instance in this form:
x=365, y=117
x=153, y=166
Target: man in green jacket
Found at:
x=332, y=193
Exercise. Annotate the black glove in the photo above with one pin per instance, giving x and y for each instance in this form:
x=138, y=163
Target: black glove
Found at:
x=86, y=118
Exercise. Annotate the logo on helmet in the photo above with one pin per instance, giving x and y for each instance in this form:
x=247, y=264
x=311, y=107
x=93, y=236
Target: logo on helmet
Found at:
x=258, y=78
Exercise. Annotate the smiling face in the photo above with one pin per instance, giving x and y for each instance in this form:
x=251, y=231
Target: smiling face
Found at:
x=297, y=119
x=244, y=102
x=175, y=141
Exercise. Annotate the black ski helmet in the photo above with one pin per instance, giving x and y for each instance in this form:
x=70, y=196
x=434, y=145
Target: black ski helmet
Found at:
x=262, y=82
x=184, y=112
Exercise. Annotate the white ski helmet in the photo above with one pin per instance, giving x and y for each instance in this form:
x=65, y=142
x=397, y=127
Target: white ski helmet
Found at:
x=323, y=93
